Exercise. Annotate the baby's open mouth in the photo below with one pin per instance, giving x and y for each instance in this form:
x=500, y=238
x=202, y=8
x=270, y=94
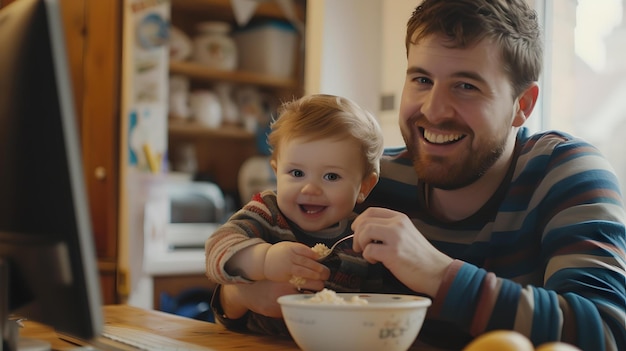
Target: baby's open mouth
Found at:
x=312, y=209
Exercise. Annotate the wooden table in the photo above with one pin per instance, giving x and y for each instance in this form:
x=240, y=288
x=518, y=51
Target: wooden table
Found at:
x=172, y=326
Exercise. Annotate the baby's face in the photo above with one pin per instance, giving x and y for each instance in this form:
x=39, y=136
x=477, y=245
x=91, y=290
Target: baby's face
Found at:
x=318, y=181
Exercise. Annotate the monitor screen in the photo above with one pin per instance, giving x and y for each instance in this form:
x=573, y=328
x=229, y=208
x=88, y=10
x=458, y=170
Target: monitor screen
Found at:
x=47, y=256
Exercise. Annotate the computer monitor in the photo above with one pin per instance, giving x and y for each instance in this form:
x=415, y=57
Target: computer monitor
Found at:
x=47, y=249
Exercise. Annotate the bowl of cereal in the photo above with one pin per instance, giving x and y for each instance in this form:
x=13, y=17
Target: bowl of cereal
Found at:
x=353, y=321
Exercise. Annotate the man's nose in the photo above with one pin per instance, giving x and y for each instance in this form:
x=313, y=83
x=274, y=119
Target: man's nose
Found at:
x=437, y=105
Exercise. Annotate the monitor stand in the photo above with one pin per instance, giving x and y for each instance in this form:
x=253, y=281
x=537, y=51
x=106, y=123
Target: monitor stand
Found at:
x=9, y=326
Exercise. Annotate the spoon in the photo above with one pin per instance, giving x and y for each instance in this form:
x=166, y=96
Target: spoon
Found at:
x=327, y=252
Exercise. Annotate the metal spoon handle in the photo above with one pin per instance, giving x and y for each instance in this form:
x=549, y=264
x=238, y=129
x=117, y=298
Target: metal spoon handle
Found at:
x=340, y=241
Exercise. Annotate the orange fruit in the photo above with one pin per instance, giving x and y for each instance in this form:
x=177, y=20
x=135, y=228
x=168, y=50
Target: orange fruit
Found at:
x=557, y=346
x=500, y=340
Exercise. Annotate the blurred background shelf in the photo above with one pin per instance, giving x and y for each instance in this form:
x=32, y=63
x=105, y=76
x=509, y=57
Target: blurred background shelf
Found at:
x=220, y=152
x=199, y=72
x=222, y=8
x=195, y=129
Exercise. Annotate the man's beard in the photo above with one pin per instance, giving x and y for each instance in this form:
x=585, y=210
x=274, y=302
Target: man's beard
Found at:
x=456, y=172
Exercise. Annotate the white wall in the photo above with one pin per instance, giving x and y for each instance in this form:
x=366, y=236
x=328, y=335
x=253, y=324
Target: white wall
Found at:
x=343, y=54
x=355, y=48
x=395, y=15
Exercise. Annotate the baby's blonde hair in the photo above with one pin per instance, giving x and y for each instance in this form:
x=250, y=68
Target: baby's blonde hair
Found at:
x=321, y=116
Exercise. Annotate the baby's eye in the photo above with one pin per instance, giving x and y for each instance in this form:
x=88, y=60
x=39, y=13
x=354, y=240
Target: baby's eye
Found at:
x=297, y=173
x=332, y=176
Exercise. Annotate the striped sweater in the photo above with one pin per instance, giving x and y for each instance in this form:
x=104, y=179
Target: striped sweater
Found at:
x=544, y=256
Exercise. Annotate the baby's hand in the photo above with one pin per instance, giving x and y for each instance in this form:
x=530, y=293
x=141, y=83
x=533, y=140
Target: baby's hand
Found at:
x=286, y=260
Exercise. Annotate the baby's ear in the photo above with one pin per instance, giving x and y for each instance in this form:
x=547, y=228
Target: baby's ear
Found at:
x=273, y=164
x=367, y=184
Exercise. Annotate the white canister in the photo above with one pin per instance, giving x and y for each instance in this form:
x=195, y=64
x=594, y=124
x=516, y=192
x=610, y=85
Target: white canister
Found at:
x=179, y=105
x=206, y=108
x=213, y=46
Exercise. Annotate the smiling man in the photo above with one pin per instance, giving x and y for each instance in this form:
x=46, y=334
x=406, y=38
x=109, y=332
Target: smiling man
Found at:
x=502, y=228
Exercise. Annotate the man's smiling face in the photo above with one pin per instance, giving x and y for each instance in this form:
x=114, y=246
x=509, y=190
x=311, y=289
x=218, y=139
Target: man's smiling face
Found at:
x=456, y=111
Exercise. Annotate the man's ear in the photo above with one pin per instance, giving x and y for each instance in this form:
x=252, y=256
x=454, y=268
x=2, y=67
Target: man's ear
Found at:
x=526, y=104
x=367, y=184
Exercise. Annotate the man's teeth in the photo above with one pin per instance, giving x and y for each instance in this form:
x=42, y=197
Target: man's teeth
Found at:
x=441, y=138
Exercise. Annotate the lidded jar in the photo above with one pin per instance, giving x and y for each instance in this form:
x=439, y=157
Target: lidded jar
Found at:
x=213, y=46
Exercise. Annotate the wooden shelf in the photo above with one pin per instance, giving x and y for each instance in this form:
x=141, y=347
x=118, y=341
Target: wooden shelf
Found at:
x=223, y=8
x=194, y=129
x=199, y=72
x=220, y=152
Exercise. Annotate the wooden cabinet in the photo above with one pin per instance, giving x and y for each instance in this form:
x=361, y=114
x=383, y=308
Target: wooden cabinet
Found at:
x=220, y=152
x=94, y=42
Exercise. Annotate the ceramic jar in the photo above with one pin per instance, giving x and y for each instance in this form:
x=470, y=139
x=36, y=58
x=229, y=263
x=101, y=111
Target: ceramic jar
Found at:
x=213, y=46
x=206, y=108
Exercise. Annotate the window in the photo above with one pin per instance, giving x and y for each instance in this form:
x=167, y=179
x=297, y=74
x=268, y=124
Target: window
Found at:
x=584, y=83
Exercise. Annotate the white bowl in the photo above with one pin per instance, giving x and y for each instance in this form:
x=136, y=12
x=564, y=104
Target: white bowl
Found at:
x=387, y=322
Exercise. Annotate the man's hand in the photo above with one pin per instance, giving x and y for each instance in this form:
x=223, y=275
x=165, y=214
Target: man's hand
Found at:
x=388, y=236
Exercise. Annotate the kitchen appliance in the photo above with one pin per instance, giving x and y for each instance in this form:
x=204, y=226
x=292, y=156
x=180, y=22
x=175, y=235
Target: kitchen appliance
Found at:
x=196, y=210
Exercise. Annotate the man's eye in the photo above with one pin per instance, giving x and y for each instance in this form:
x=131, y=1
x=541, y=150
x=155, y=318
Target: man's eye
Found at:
x=332, y=176
x=467, y=86
x=422, y=80
x=297, y=173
